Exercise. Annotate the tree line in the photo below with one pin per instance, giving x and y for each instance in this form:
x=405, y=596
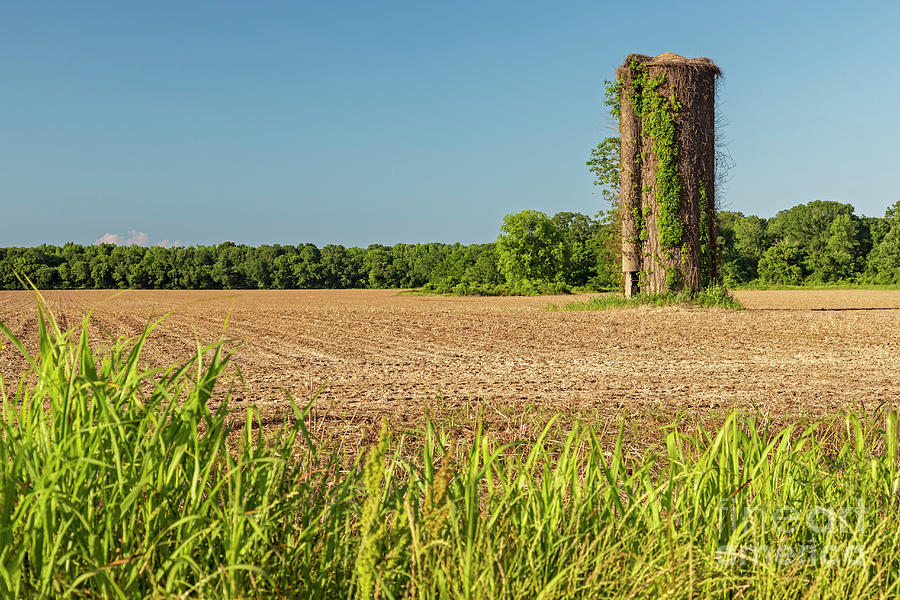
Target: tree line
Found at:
x=819, y=242
x=536, y=254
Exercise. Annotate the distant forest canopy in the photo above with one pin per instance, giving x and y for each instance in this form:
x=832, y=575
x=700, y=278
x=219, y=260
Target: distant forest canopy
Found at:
x=820, y=242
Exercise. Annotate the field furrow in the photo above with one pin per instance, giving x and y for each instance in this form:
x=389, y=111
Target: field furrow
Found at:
x=384, y=352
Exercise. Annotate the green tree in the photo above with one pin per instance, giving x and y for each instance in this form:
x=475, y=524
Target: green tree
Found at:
x=23, y=263
x=74, y=271
x=258, y=264
x=751, y=240
x=308, y=269
x=229, y=270
x=424, y=259
x=139, y=274
x=484, y=271
x=840, y=259
x=451, y=271
x=46, y=277
x=605, y=161
x=605, y=245
x=578, y=232
x=742, y=240
x=604, y=164
x=780, y=265
x=732, y=266
x=378, y=263
x=884, y=261
x=200, y=263
x=808, y=226
x=892, y=214
x=342, y=267
x=531, y=248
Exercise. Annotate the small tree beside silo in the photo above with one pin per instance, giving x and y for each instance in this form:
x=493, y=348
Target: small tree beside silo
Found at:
x=667, y=178
x=531, y=248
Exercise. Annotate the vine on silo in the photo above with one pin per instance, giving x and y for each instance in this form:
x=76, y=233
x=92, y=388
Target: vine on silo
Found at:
x=657, y=114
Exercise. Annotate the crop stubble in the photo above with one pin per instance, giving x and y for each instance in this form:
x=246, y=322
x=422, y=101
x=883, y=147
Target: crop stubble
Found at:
x=376, y=352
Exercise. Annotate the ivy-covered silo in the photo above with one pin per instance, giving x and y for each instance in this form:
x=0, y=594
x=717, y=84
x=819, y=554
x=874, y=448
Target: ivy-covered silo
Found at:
x=668, y=208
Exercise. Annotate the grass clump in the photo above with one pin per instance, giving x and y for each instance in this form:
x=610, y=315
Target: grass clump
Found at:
x=122, y=483
x=119, y=482
x=711, y=297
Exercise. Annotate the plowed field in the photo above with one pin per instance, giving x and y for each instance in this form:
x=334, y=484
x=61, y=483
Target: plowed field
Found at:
x=376, y=352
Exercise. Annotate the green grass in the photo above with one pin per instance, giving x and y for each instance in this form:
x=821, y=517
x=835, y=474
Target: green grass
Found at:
x=711, y=297
x=123, y=483
x=840, y=285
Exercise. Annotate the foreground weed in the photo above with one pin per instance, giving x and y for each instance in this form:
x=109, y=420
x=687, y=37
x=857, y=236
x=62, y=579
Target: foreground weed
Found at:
x=118, y=482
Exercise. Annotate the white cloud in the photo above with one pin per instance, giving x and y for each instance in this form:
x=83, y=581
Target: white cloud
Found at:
x=135, y=237
x=109, y=238
x=167, y=244
x=138, y=238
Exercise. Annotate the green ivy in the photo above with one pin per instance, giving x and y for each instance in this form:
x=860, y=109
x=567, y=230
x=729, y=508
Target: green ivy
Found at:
x=642, y=223
x=657, y=115
x=672, y=278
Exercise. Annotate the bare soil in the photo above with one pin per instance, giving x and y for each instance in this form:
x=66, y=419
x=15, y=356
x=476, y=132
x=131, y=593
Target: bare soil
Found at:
x=378, y=352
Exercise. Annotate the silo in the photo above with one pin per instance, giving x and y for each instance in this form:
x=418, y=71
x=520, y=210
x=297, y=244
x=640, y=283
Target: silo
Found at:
x=668, y=208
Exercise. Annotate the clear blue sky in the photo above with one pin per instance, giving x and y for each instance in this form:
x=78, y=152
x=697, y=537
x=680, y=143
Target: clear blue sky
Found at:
x=388, y=122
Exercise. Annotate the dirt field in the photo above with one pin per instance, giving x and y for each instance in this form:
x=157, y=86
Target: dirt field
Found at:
x=378, y=352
